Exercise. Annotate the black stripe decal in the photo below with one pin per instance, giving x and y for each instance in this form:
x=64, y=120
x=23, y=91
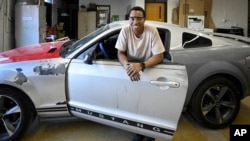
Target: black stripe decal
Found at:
x=124, y=121
x=52, y=109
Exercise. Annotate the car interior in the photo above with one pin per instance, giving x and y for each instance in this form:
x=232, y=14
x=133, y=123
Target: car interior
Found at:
x=106, y=47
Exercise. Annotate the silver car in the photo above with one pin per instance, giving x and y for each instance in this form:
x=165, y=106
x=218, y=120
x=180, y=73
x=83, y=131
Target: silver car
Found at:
x=204, y=75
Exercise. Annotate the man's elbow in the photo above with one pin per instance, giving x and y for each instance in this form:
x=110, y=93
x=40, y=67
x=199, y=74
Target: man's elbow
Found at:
x=120, y=52
x=160, y=57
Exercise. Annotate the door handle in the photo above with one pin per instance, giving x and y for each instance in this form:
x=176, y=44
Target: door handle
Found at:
x=167, y=83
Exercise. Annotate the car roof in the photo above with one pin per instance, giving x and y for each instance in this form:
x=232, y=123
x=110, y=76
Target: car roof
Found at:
x=218, y=39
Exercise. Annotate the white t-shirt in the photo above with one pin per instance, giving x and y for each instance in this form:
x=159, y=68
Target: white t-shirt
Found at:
x=140, y=49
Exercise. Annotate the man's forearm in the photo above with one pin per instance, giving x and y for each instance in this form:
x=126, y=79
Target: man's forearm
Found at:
x=154, y=60
x=122, y=58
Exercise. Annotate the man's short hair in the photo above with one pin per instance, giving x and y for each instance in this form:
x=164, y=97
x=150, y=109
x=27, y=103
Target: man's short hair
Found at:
x=138, y=8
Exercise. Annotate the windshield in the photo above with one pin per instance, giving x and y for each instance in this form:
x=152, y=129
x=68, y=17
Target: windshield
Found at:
x=68, y=49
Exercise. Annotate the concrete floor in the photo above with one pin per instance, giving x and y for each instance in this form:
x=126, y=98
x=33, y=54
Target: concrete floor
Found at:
x=83, y=130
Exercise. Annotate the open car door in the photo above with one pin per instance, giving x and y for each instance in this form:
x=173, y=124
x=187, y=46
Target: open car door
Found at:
x=102, y=92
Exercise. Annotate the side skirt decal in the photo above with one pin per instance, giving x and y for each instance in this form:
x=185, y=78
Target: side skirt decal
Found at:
x=52, y=109
x=124, y=121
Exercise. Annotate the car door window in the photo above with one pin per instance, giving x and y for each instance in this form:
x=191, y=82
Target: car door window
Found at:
x=106, y=48
x=103, y=49
x=165, y=38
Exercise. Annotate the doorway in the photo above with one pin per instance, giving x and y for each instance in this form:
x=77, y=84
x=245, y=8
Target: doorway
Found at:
x=156, y=11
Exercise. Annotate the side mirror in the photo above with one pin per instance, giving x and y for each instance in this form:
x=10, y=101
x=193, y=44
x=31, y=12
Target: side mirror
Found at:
x=89, y=56
x=88, y=59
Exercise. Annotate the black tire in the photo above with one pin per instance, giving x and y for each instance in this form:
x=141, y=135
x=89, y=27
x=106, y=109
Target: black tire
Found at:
x=15, y=112
x=215, y=103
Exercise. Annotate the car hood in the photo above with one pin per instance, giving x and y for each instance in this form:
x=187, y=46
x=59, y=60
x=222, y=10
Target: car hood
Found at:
x=32, y=52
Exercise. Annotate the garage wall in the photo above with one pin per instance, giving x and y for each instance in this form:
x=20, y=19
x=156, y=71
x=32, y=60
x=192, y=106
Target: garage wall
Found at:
x=227, y=13
x=118, y=7
x=139, y=3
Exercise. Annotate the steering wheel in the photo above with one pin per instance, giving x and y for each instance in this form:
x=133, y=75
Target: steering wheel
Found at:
x=102, y=48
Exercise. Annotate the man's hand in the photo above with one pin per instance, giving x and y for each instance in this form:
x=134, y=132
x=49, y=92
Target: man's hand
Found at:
x=133, y=70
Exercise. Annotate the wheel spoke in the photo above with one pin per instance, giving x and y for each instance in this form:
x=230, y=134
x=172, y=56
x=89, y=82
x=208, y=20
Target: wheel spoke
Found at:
x=209, y=94
x=218, y=115
x=13, y=110
x=8, y=126
x=210, y=99
x=228, y=104
x=222, y=92
x=207, y=108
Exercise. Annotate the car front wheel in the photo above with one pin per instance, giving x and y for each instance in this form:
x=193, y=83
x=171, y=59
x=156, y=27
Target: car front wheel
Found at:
x=15, y=114
x=215, y=103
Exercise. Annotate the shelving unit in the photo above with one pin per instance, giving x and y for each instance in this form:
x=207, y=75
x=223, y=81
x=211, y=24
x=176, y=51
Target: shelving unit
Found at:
x=85, y=23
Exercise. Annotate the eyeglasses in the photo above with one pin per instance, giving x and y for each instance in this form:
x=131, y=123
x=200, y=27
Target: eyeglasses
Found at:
x=136, y=18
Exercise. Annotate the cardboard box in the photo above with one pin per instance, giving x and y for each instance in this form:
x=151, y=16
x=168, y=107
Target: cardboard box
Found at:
x=209, y=23
x=195, y=8
x=175, y=15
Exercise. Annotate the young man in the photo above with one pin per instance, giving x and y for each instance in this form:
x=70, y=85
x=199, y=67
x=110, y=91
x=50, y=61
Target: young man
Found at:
x=139, y=47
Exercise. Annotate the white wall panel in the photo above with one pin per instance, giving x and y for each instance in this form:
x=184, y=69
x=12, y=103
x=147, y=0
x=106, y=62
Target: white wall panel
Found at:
x=227, y=13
